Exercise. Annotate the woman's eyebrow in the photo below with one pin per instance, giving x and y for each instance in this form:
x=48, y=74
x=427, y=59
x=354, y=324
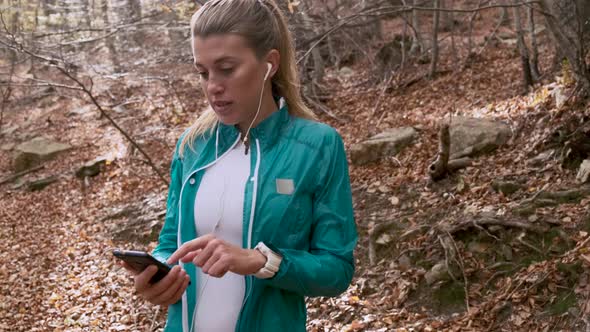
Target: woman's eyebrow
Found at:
x=219, y=60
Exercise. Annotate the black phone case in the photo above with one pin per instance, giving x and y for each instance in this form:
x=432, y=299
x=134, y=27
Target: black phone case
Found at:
x=140, y=260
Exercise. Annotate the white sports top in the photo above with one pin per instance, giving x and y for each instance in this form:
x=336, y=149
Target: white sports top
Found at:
x=219, y=209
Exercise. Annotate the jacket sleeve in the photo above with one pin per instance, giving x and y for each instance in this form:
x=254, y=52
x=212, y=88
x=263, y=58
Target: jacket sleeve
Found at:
x=327, y=268
x=167, y=242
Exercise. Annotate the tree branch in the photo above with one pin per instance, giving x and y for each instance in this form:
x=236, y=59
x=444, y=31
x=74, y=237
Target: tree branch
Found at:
x=54, y=62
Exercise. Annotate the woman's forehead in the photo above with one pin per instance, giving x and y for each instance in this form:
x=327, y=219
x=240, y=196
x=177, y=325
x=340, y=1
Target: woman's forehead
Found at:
x=214, y=48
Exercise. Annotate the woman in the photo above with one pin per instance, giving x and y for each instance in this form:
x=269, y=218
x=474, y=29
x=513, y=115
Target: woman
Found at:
x=259, y=210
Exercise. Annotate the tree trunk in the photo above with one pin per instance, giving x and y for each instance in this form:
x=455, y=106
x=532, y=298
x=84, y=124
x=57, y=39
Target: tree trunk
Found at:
x=452, y=33
x=565, y=22
x=446, y=18
x=109, y=40
x=434, y=59
x=504, y=17
x=416, y=40
x=522, y=48
x=318, y=61
x=535, y=50
x=470, y=38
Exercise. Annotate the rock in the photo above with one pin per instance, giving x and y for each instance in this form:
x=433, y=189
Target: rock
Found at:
x=404, y=263
x=559, y=96
x=506, y=252
x=35, y=151
x=510, y=41
x=41, y=184
x=91, y=168
x=8, y=130
x=584, y=172
x=506, y=187
x=541, y=158
x=83, y=112
x=388, y=143
x=138, y=222
x=346, y=72
x=472, y=136
x=477, y=247
x=437, y=273
x=7, y=146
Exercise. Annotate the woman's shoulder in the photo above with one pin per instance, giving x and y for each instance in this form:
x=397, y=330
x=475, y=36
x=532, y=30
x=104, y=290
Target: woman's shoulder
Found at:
x=314, y=131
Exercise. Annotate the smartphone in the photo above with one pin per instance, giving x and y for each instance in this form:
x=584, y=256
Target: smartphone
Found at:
x=140, y=260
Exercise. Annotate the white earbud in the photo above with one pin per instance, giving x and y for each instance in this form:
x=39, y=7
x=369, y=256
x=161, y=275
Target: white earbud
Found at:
x=268, y=71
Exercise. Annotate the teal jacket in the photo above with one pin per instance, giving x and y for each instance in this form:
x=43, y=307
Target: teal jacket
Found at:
x=312, y=227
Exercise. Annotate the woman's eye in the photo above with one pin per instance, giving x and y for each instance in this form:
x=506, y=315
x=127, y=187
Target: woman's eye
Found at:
x=227, y=71
x=204, y=75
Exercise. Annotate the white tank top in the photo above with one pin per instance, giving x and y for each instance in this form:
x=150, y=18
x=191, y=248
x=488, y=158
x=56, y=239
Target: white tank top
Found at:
x=219, y=209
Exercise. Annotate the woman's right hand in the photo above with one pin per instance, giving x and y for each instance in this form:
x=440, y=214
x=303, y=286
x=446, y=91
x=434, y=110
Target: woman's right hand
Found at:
x=167, y=291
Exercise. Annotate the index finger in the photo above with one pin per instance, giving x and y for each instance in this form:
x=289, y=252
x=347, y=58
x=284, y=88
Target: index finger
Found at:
x=189, y=246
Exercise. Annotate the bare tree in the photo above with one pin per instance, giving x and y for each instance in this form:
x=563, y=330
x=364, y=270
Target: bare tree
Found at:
x=523, y=50
x=416, y=40
x=434, y=59
x=568, y=22
x=534, y=63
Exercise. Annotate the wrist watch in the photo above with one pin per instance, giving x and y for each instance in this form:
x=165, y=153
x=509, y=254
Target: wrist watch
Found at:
x=273, y=261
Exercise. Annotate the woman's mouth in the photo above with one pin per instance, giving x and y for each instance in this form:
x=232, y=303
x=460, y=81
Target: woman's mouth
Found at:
x=222, y=107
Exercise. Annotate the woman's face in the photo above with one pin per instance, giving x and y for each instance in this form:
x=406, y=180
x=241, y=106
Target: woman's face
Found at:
x=232, y=77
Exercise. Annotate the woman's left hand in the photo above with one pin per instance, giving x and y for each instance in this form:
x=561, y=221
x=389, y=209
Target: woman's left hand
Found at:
x=216, y=257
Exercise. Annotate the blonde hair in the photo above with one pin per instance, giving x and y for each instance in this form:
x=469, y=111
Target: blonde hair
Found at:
x=264, y=27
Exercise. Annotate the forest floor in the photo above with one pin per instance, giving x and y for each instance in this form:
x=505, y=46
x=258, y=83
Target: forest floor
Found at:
x=57, y=273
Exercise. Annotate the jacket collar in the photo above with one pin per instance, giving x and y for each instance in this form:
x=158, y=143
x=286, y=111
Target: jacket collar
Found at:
x=267, y=131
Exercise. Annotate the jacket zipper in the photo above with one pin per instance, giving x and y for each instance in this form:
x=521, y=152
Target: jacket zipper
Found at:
x=185, y=327
x=252, y=211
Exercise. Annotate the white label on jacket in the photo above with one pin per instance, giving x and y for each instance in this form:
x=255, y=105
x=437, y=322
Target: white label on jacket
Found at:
x=285, y=186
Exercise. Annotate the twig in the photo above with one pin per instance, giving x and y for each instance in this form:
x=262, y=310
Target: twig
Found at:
x=154, y=318
x=385, y=86
x=21, y=173
x=492, y=221
x=324, y=109
x=459, y=261
x=496, y=28
x=447, y=250
x=438, y=169
x=525, y=243
x=83, y=88
x=106, y=115
x=171, y=87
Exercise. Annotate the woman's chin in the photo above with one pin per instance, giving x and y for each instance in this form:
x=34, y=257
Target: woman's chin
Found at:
x=227, y=120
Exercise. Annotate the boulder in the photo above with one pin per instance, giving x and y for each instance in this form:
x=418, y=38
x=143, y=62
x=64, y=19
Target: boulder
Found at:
x=388, y=143
x=584, y=172
x=559, y=96
x=506, y=187
x=473, y=136
x=139, y=221
x=438, y=272
x=541, y=159
x=35, y=151
x=7, y=146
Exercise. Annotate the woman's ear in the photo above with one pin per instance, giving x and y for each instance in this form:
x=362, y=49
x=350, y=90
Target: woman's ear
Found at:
x=274, y=59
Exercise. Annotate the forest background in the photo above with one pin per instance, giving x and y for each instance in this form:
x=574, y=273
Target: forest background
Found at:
x=467, y=128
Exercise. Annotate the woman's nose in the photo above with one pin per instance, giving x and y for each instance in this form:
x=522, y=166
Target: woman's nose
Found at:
x=214, y=86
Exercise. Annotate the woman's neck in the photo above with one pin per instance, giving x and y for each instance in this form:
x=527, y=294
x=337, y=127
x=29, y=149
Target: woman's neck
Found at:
x=267, y=108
